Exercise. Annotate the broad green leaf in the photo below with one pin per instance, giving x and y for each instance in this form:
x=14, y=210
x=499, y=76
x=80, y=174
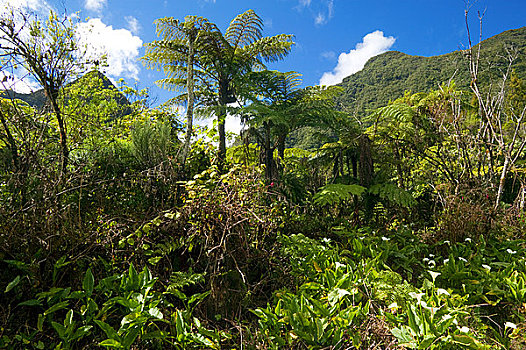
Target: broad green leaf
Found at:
x=426, y=343
x=179, y=324
x=110, y=332
x=133, y=280
x=88, y=282
x=31, y=302
x=196, y=298
x=155, y=260
x=40, y=322
x=61, y=330
x=404, y=336
x=111, y=343
x=130, y=337
x=81, y=332
x=12, y=284
x=414, y=321
x=56, y=307
x=69, y=318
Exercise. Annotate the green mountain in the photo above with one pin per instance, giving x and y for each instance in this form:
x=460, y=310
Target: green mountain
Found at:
x=35, y=99
x=387, y=76
x=38, y=98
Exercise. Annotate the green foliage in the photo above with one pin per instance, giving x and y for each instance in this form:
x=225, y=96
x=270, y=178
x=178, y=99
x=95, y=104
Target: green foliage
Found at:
x=151, y=142
x=383, y=238
x=337, y=193
x=393, y=194
x=387, y=76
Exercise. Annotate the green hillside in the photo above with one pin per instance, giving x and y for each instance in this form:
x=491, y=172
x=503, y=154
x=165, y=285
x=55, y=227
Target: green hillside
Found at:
x=37, y=99
x=387, y=76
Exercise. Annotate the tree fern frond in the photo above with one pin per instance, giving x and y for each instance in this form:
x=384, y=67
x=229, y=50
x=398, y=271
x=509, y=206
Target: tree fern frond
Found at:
x=270, y=49
x=171, y=84
x=244, y=29
x=399, y=112
x=393, y=194
x=336, y=193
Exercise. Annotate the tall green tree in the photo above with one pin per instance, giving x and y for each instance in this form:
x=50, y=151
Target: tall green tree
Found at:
x=50, y=52
x=230, y=56
x=178, y=53
x=279, y=106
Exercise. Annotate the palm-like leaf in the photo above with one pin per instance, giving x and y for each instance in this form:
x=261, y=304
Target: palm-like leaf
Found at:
x=244, y=29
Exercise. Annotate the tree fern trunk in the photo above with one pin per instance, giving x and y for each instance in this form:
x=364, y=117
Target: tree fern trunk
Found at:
x=223, y=101
x=190, y=99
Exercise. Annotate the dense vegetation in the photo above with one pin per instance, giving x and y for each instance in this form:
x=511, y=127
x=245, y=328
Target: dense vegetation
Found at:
x=403, y=230
x=387, y=76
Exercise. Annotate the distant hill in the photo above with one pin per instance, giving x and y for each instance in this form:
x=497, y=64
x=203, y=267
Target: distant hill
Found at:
x=38, y=98
x=35, y=99
x=386, y=76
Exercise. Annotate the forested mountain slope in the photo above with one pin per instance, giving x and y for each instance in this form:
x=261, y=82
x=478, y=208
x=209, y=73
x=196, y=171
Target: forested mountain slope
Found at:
x=386, y=76
x=37, y=99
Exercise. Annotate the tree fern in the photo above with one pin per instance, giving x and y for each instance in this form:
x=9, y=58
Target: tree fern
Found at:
x=392, y=193
x=336, y=193
x=245, y=28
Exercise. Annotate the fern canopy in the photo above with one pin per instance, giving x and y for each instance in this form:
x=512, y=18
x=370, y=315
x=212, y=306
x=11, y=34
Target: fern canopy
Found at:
x=337, y=193
x=392, y=193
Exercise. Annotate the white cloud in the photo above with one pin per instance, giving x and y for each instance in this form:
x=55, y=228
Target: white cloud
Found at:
x=349, y=63
x=40, y=7
x=305, y=3
x=120, y=46
x=94, y=5
x=233, y=124
x=24, y=85
x=19, y=79
x=133, y=24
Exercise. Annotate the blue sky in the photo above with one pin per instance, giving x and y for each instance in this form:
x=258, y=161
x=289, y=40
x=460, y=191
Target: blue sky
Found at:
x=327, y=32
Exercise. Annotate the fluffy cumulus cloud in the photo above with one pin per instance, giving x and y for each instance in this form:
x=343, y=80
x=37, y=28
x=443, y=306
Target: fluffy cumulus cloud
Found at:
x=95, y=5
x=18, y=81
x=120, y=46
x=349, y=63
x=40, y=7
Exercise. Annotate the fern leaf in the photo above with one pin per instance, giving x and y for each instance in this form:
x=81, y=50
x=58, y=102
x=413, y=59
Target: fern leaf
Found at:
x=336, y=193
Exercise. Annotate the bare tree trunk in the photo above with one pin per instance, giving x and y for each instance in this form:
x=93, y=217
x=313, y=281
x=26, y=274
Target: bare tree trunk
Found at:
x=64, y=150
x=502, y=181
